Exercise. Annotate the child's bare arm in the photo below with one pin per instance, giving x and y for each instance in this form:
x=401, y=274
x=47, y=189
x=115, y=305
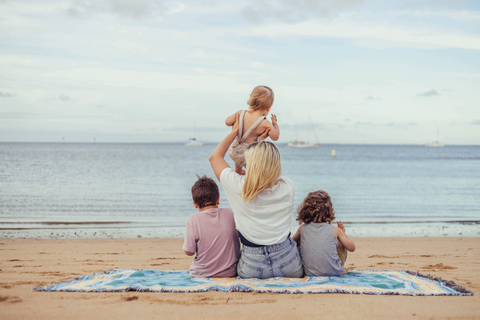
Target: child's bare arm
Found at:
x=189, y=253
x=296, y=237
x=344, y=239
x=274, y=133
x=231, y=119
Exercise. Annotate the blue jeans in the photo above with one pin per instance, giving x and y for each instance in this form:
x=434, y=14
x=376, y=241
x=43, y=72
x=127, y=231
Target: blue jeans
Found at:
x=278, y=260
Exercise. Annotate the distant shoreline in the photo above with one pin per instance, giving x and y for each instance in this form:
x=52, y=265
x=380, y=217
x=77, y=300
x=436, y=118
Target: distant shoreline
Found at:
x=282, y=143
x=129, y=230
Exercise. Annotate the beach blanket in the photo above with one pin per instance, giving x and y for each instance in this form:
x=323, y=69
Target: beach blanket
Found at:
x=360, y=282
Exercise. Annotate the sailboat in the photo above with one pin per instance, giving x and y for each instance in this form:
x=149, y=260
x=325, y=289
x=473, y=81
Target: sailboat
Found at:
x=302, y=144
x=435, y=143
x=193, y=141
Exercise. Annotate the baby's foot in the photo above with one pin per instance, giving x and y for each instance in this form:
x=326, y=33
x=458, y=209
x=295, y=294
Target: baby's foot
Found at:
x=345, y=270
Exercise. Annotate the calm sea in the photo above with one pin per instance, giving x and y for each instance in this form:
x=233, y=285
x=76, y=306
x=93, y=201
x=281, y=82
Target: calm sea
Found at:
x=143, y=190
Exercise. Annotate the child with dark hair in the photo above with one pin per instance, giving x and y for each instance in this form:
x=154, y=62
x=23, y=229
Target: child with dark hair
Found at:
x=210, y=233
x=323, y=247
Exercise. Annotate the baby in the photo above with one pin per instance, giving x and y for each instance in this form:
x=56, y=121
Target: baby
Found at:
x=253, y=125
x=323, y=247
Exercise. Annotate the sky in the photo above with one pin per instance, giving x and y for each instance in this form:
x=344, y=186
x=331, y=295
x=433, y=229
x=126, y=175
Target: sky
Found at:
x=345, y=71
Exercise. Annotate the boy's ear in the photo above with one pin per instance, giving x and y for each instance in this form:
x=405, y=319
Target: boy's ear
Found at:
x=218, y=201
x=195, y=204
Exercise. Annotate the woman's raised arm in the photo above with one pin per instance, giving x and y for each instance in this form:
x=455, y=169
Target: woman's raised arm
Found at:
x=217, y=159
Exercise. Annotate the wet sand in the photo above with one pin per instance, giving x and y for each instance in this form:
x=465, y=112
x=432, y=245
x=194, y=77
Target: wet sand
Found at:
x=26, y=263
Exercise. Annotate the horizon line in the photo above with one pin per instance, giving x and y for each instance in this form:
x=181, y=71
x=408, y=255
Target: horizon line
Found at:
x=213, y=142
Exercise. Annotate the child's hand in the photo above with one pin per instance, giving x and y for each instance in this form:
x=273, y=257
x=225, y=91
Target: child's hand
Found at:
x=340, y=226
x=274, y=121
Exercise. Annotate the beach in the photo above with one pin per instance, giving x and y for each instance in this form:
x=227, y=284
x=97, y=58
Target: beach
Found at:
x=27, y=263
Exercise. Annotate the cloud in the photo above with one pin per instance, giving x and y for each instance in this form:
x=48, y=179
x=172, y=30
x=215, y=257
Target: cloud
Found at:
x=6, y=95
x=289, y=11
x=372, y=33
x=306, y=126
x=360, y=123
x=63, y=97
x=175, y=8
x=400, y=124
x=448, y=3
x=372, y=98
x=429, y=93
x=131, y=9
x=475, y=123
x=199, y=129
x=433, y=4
x=468, y=76
x=19, y=115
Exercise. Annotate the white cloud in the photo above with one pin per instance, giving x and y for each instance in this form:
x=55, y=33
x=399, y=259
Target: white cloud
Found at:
x=429, y=93
x=292, y=11
x=6, y=95
x=464, y=75
x=175, y=8
x=347, y=28
x=132, y=9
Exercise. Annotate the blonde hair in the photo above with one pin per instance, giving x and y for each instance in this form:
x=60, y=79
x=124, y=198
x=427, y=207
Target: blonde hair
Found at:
x=261, y=98
x=263, y=169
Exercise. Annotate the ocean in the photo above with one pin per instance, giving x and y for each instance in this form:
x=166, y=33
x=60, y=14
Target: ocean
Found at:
x=87, y=190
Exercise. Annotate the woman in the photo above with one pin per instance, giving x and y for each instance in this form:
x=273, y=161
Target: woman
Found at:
x=262, y=203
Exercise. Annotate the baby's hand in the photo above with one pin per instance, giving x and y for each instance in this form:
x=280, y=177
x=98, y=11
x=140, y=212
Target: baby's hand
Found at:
x=274, y=120
x=340, y=226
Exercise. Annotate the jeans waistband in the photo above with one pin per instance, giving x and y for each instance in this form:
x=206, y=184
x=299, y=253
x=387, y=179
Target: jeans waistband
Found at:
x=272, y=248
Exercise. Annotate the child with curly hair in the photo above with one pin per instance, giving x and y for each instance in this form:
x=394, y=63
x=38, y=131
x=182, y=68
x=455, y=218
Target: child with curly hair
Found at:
x=323, y=247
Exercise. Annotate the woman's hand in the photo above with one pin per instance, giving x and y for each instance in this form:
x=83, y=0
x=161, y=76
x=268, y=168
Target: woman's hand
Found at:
x=264, y=135
x=235, y=126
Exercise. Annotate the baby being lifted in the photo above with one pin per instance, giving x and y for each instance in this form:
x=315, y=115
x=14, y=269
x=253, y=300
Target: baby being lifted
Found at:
x=253, y=125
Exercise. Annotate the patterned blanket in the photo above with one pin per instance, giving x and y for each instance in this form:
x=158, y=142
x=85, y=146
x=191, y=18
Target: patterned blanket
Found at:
x=361, y=282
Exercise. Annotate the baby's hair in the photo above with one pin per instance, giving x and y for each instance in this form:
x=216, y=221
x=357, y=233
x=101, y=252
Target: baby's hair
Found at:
x=205, y=192
x=261, y=98
x=316, y=207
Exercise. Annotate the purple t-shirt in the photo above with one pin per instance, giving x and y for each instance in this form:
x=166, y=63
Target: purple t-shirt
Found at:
x=212, y=235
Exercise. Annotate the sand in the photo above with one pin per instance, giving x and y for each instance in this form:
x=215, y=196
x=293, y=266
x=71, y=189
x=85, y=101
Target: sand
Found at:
x=26, y=263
